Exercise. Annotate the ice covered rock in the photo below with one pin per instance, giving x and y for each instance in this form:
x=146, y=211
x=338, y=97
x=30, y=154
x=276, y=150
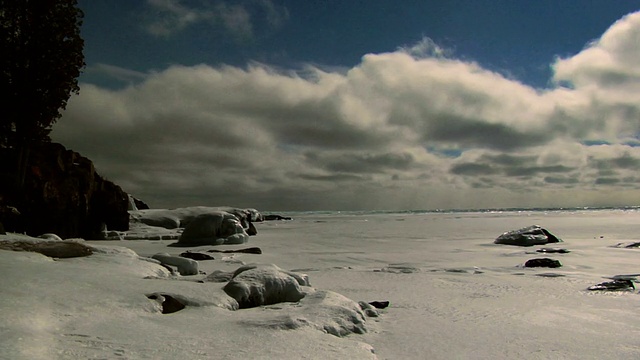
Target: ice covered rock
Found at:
x=185, y=266
x=256, y=285
x=214, y=228
x=54, y=249
x=529, y=236
x=181, y=217
x=50, y=236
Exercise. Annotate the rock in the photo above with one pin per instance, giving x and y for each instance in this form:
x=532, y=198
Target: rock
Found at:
x=54, y=249
x=140, y=205
x=553, y=250
x=529, y=236
x=196, y=256
x=255, y=215
x=9, y=216
x=63, y=194
x=185, y=266
x=251, y=250
x=543, y=262
x=272, y=217
x=215, y=228
x=379, y=304
x=257, y=285
x=615, y=285
x=169, y=303
x=632, y=245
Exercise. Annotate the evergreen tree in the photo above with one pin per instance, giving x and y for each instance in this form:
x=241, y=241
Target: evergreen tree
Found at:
x=41, y=59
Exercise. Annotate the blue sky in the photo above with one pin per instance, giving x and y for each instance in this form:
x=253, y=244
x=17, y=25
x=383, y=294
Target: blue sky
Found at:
x=294, y=105
x=518, y=38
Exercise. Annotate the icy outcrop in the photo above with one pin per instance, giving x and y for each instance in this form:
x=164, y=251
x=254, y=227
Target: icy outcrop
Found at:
x=529, y=236
x=256, y=285
x=215, y=228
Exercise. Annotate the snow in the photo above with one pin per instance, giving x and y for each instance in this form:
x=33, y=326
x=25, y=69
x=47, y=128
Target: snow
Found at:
x=453, y=293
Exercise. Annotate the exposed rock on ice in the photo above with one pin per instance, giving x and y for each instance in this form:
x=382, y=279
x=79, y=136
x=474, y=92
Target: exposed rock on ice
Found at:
x=256, y=285
x=196, y=256
x=251, y=250
x=628, y=245
x=185, y=266
x=553, y=250
x=168, y=303
x=615, y=285
x=529, y=236
x=543, y=262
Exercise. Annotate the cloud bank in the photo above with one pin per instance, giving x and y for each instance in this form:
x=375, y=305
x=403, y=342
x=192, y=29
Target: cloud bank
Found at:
x=410, y=129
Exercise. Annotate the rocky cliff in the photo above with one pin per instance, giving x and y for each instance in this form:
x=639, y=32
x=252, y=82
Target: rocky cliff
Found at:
x=63, y=194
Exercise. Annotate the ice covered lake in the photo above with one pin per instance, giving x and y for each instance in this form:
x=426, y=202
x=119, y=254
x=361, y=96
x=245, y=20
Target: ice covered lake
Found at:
x=453, y=293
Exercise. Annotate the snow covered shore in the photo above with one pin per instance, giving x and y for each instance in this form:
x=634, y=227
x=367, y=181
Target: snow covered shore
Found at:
x=453, y=293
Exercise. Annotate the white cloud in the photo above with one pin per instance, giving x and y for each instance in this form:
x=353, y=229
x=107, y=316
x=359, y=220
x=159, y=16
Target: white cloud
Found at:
x=396, y=131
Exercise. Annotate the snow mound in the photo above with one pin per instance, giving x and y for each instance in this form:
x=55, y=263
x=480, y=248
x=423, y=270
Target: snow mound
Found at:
x=256, y=285
x=323, y=310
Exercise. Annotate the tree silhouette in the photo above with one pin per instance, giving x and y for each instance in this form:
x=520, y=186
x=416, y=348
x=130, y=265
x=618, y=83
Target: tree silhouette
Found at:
x=41, y=59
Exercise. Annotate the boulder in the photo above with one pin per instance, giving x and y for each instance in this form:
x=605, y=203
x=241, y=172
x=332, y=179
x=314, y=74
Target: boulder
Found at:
x=543, y=262
x=214, y=228
x=529, y=236
x=257, y=285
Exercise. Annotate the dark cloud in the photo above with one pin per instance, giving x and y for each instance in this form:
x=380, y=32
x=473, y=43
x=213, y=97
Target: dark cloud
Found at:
x=362, y=163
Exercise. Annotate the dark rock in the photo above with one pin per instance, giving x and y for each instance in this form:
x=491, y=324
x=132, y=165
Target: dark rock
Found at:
x=272, y=217
x=615, y=285
x=632, y=245
x=251, y=250
x=529, y=236
x=140, y=205
x=54, y=249
x=63, y=194
x=196, y=256
x=169, y=303
x=379, y=304
x=543, y=262
x=553, y=250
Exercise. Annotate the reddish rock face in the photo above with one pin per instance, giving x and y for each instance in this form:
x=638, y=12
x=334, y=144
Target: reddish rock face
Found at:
x=64, y=195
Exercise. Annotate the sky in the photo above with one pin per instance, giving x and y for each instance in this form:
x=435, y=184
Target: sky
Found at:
x=361, y=105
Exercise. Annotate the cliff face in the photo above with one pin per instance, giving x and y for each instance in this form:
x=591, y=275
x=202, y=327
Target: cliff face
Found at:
x=66, y=196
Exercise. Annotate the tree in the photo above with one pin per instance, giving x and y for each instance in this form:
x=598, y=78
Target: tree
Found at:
x=41, y=60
